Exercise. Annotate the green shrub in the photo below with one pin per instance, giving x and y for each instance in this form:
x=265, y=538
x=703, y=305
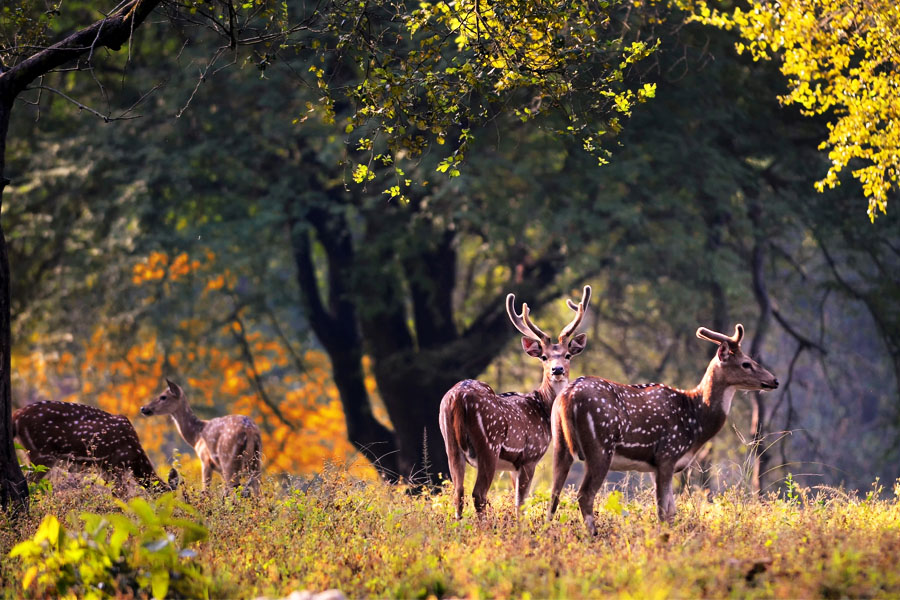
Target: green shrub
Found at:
x=116, y=554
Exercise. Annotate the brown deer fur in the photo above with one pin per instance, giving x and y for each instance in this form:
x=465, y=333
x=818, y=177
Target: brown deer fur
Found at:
x=651, y=427
x=230, y=445
x=509, y=431
x=54, y=432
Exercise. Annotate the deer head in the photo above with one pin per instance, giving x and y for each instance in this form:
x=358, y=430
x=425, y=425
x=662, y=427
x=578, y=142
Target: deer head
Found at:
x=169, y=401
x=732, y=366
x=554, y=356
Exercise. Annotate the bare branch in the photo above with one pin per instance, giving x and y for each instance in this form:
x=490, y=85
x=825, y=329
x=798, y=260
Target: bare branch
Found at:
x=106, y=117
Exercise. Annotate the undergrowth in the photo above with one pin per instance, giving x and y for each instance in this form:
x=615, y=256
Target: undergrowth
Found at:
x=377, y=540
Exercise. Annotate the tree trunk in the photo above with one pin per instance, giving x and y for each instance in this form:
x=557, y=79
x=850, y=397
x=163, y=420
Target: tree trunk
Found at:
x=13, y=488
x=758, y=417
x=111, y=32
x=373, y=295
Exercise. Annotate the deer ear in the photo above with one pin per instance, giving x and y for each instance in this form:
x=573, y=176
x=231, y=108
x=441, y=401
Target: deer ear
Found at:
x=724, y=352
x=531, y=347
x=577, y=344
x=176, y=389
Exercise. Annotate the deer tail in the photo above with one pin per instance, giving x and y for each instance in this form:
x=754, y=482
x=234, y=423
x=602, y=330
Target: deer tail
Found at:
x=452, y=421
x=567, y=424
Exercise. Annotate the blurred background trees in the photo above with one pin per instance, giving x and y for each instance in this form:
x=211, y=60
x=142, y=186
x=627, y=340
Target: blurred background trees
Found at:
x=268, y=238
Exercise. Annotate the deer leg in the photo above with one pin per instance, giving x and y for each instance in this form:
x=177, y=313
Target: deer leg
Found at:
x=487, y=466
x=456, y=460
x=596, y=466
x=206, y=471
x=562, y=462
x=665, y=500
x=253, y=481
x=458, y=476
x=524, y=477
x=252, y=465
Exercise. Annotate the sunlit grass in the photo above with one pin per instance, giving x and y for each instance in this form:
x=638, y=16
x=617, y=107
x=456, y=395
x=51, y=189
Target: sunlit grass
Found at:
x=375, y=540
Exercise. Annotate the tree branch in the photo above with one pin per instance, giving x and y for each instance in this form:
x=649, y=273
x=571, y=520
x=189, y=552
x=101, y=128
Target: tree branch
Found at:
x=110, y=32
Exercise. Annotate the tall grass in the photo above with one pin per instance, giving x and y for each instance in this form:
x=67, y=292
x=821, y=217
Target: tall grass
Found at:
x=376, y=540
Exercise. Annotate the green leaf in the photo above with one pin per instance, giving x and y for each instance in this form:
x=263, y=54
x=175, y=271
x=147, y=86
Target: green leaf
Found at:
x=159, y=583
x=49, y=530
x=614, y=502
x=29, y=576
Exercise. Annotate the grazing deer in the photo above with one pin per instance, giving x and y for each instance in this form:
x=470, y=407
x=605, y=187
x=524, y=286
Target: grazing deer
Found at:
x=229, y=444
x=510, y=431
x=57, y=432
x=649, y=427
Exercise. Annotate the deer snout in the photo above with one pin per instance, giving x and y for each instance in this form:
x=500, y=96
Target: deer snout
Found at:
x=146, y=411
x=558, y=371
x=770, y=385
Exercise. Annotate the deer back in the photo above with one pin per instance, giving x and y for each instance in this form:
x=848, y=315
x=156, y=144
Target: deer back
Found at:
x=641, y=424
x=233, y=442
x=514, y=427
x=53, y=431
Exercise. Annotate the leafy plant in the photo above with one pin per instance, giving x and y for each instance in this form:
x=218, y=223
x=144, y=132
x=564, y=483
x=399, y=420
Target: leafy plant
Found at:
x=791, y=490
x=117, y=553
x=41, y=486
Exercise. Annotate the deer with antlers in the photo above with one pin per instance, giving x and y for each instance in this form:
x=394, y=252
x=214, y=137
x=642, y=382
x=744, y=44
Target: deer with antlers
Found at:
x=509, y=431
x=230, y=445
x=54, y=432
x=649, y=427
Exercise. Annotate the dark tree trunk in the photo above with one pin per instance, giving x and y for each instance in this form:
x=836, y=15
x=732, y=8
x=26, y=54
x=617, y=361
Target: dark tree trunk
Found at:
x=13, y=488
x=378, y=297
x=758, y=419
x=111, y=32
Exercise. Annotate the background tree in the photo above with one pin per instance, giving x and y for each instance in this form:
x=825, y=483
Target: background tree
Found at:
x=499, y=54
x=840, y=59
x=700, y=219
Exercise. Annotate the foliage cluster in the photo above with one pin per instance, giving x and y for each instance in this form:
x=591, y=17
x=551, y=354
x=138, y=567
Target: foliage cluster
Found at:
x=702, y=219
x=436, y=74
x=144, y=547
x=375, y=540
x=119, y=368
x=841, y=59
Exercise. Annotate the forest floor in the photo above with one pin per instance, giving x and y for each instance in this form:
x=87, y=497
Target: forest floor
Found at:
x=370, y=539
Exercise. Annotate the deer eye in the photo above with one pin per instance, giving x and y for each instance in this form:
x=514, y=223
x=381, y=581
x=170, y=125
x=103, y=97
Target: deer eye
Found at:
x=543, y=357
x=568, y=356
x=746, y=365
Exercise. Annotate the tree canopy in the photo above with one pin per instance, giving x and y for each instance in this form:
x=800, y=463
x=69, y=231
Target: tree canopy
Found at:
x=320, y=231
x=841, y=60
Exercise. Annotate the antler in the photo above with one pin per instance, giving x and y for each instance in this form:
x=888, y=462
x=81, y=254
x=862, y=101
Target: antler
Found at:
x=720, y=338
x=522, y=322
x=579, y=309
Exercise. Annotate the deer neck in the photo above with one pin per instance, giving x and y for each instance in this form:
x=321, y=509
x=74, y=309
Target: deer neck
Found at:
x=188, y=424
x=548, y=391
x=713, y=397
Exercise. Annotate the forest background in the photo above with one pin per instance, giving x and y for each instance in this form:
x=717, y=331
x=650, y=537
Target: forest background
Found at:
x=223, y=217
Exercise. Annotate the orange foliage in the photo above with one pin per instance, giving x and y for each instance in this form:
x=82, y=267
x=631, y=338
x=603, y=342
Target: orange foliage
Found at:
x=310, y=431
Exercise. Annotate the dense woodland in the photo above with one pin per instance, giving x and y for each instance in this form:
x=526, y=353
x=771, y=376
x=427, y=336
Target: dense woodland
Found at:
x=311, y=213
x=223, y=216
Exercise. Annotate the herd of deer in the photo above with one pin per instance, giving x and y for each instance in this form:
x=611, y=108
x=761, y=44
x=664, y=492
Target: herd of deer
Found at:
x=610, y=426
x=55, y=432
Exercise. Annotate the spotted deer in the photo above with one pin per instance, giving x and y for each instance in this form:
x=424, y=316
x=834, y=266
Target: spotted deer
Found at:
x=509, y=431
x=648, y=427
x=54, y=432
x=230, y=445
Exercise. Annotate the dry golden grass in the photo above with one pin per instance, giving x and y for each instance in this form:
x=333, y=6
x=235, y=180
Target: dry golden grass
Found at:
x=375, y=540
